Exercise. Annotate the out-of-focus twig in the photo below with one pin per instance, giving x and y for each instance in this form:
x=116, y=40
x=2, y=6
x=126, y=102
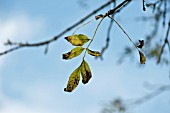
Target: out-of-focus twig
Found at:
x=108, y=35
x=152, y=95
x=165, y=42
x=119, y=105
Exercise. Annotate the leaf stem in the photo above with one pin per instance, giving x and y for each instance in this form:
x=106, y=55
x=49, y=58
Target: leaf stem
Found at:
x=93, y=36
x=124, y=32
x=83, y=25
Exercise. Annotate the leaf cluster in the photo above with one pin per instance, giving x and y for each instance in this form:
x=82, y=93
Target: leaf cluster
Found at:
x=78, y=40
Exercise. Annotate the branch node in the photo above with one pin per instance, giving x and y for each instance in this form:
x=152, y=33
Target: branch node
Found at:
x=99, y=16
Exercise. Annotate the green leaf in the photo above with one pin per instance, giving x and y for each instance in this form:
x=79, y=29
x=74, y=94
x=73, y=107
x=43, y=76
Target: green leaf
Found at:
x=77, y=40
x=142, y=58
x=85, y=72
x=93, y=53
x=73, y=80
x=73, y=53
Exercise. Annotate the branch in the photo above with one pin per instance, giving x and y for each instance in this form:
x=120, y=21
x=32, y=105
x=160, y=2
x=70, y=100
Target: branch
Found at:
x=47, y=42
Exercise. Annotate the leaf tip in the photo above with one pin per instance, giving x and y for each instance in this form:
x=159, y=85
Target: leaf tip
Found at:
x=66, y=38
x=84, y=82
x=66, y=56
x=65, y=89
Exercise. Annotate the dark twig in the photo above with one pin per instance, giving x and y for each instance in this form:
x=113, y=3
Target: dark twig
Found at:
x=116, y=9
x=46, y=49
x=47, y=42
x=144, y=9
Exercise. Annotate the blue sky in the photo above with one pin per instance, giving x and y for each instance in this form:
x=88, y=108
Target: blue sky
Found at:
x=31, y=82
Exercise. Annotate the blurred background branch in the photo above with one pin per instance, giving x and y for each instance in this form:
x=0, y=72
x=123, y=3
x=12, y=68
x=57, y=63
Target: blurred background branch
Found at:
x=119, y=105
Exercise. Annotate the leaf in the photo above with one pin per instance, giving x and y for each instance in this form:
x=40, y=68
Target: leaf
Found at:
x=141, y=44
x=77, y=40
x=73, y=53
x=73, y=80
x=142, y=58
x=93, y=53
x=85, y=72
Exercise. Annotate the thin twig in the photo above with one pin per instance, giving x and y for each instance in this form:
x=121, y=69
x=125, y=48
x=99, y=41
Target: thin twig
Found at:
x=144, y=9
x=83, y=25
x=10, y=50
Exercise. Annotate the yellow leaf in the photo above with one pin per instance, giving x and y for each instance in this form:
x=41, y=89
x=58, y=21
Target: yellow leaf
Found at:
x=77, y=40
x=85, y=72
x=73, y=80
x=73, y=53
x=93, y=53
x=142, y=58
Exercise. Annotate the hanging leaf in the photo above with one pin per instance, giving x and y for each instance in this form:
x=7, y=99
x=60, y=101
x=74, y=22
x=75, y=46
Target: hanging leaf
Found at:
x=93, y=53
x=77, y=40
x=142, y=58
x=73, y=80
x=73, y=53
x=85, y=72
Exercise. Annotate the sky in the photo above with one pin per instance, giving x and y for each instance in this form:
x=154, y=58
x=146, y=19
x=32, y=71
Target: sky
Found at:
x=32, y=82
